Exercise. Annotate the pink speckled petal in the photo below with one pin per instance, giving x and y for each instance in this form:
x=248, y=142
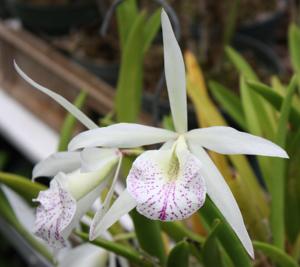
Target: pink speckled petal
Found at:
x=55, y=212
x=167, y=186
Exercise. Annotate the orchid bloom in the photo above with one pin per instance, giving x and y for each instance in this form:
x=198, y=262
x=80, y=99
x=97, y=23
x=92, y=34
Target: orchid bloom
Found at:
x=79, y=178
x=171, y=183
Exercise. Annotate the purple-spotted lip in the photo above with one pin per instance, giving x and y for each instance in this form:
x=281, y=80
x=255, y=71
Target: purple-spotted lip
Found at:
x=54, y=214
x=160, y=198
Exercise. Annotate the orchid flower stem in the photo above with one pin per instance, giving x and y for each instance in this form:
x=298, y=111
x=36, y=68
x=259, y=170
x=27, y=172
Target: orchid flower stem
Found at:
x=227, y=237
x=149, y=236
x=128, y=253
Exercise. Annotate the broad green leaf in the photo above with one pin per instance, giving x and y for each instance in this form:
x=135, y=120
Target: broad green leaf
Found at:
x=275, y=254
x=151, y=28
x=275, y=99
x=226, y=236
x=149, y=236
x=21, y=185
x=127, y=13
x=179, y=255
x=279, y=171
x=210, y=250
x=69, y=123
x=129, y=88
x=229, y=102
x=125, y=251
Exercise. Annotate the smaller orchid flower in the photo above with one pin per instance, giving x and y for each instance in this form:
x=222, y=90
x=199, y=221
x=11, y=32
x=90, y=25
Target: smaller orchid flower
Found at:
x=79, y=178
x=171, y=183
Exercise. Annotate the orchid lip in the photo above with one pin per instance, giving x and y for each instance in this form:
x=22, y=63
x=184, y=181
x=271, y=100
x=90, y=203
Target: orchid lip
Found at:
x=167, y=184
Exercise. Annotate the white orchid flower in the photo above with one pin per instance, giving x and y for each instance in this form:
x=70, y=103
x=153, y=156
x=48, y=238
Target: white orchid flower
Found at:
x=79, y=178
x=171, y=183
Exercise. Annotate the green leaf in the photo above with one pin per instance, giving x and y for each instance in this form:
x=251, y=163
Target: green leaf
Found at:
x=240, y=63
x=119, y=249
x=129, y=88
x=177, y=231
x=275, y=254
x=275, y=99
x=279, y=170
x=229, y=102
x=149, y=236
x=69, y=123
x=229, y=241
x=179, y=255
x=265, y=111
x=21, y=185
x=292, y=195
x=127, y=13
x=210, y=250
x=255, y=118
x=151, y=28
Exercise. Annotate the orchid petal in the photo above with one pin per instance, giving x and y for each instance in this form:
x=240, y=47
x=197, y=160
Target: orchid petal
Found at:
x=167, y=184
x=83, y=205
x=55, y=212
x=121, y=135
x=175, y=75
x=85, y=255
x=220, y=194
x=76, y=112
x=226, y=140
x=58, y=162
x=123, y=204
x=93, y=159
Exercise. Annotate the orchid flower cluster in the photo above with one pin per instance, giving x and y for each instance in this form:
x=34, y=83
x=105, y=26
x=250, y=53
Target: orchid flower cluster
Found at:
x=167, y=184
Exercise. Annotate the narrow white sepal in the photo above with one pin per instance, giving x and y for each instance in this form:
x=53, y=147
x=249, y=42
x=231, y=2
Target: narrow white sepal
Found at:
x=77, y=113
x=175, y=75
x=226, y=140
x=123, y=204
x=55, y=163
x=221, y=195
x=121, y=135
